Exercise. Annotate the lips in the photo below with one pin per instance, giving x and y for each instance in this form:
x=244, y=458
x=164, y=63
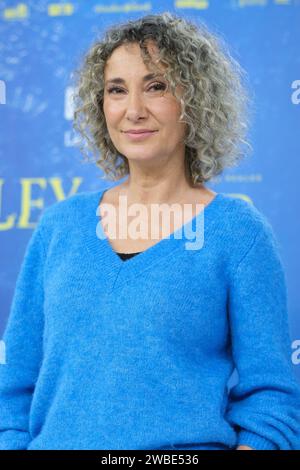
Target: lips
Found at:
x=143, y=131
x=139, y=135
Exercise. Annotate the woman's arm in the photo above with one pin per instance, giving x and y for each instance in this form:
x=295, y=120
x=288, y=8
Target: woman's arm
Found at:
x=264, y=407
x=23, y=346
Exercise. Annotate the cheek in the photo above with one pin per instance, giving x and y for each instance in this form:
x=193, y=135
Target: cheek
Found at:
x=173, y=123
x=170, y=110
x=111, y=112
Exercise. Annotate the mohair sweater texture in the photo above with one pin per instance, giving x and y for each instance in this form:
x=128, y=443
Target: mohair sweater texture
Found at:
x=103, y=353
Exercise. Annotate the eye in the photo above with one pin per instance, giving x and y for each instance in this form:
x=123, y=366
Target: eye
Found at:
x=157, y=86
x=111, y=90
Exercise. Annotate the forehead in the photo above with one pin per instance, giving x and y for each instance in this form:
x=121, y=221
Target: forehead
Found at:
x=126, y=63
x=131, y=53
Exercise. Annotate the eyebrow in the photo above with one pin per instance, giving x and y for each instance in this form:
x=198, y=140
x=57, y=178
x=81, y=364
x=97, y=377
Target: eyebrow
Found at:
x=120, y=81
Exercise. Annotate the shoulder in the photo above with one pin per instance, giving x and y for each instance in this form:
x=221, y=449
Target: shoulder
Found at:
x=67, y=215
x=242, y=215
x=72, y=207
x=243, y=225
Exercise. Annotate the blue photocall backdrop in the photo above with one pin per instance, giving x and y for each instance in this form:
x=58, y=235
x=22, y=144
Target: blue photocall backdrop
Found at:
x=41, y=43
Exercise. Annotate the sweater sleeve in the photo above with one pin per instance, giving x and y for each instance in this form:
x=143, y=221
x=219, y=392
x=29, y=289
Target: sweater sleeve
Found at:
x=23, y=348
x=264, y=407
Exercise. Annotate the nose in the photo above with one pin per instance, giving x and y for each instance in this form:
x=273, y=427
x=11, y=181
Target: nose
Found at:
x=135, y=106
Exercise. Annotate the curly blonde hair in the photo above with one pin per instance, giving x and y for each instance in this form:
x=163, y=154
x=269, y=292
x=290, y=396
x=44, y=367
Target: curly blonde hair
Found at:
x=214, y=103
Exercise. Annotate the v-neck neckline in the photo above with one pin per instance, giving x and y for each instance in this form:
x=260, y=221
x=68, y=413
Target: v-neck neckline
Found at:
x=99, y=245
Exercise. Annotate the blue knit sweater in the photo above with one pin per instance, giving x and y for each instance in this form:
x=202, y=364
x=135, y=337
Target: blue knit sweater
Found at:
x=103, y=353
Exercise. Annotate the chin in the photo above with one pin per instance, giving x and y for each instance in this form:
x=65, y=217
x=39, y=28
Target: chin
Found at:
x=142, y=158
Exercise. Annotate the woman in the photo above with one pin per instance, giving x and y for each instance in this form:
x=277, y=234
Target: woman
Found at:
x=118, y=339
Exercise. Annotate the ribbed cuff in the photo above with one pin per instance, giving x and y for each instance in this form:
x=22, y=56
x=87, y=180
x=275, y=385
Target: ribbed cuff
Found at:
x=14, y=440
x=248, y=438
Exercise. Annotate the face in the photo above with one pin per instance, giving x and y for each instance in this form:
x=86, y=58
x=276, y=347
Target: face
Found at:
x=136, y=102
